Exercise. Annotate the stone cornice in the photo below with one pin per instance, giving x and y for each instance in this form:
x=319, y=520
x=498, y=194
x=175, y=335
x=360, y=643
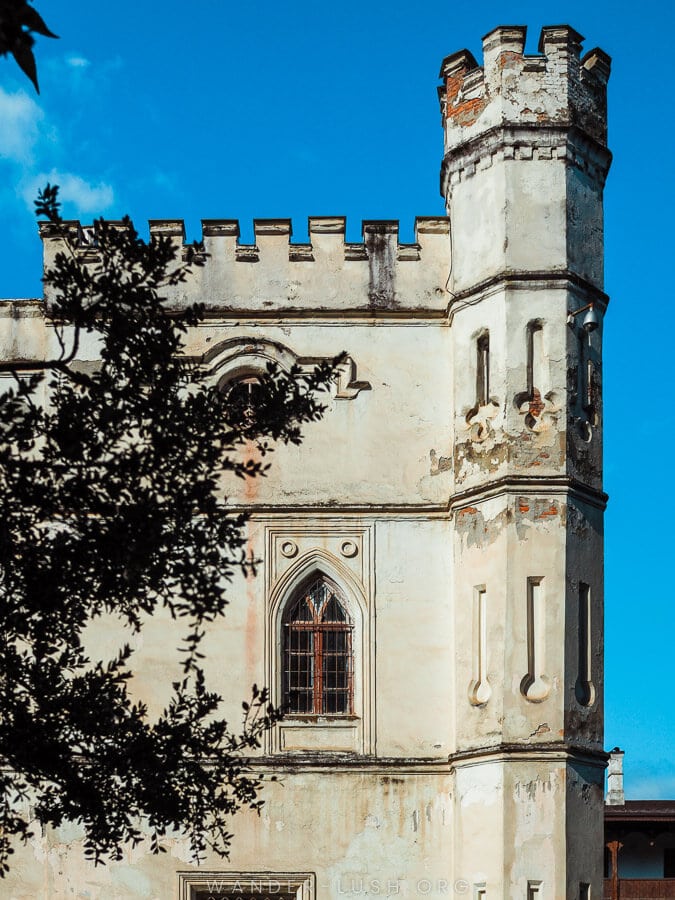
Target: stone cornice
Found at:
x=552, y=279
x=344, y=762
x=560, y=750
x=309, y=315
x=530, y=485
x=566, y=143
x=335, y=511
x=507, y=485
x=338, y=763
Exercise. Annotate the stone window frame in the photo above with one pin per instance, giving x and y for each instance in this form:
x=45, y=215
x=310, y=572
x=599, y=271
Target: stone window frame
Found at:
x=347, y=733
x=215, y=884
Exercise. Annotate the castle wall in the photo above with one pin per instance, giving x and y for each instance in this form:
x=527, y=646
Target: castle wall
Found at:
x=453, y=492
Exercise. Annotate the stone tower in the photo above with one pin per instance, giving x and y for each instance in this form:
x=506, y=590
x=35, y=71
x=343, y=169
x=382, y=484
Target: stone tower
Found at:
x=523, y=173
x=460, y=751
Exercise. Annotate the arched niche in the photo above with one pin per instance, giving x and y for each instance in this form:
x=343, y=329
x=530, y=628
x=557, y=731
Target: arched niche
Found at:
x=299, y=733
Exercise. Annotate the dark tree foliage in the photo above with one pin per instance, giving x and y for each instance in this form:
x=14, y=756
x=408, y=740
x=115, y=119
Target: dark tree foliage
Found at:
x=18, y=21
x=110, y=505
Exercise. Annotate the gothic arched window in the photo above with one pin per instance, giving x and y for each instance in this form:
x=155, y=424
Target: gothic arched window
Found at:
x=317, y=652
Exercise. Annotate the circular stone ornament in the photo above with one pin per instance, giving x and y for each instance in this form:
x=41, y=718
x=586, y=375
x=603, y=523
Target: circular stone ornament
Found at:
x=348, y=549
x=289, y=549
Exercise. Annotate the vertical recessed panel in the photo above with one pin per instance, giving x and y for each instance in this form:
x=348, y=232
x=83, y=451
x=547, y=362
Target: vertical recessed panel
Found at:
x=536, y=684
x=584, y=688
x=479, y=690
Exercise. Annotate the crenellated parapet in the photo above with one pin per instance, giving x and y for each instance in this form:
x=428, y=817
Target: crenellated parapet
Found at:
x=525, y=157
x=271, y=275
x=533, y=107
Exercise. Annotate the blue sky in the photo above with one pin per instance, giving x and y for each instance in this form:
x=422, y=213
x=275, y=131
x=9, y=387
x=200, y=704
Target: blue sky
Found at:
x=215, y=109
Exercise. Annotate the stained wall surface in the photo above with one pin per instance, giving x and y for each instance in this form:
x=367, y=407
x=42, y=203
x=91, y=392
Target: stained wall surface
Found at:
x=452, y=493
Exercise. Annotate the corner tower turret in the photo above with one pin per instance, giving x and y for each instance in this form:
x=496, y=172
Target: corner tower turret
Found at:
x=525, y=161
x=548, y=111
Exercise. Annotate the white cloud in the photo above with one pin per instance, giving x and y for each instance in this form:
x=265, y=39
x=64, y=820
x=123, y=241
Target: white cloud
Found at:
x=77, y=195
x=30, y=150
x=84, y=196
x=20, y=130
x=77, y=62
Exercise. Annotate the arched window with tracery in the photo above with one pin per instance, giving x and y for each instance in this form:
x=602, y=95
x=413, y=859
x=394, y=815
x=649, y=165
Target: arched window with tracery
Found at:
x=317, y=651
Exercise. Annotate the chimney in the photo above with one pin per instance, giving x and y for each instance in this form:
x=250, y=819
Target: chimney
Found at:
x=615, y=796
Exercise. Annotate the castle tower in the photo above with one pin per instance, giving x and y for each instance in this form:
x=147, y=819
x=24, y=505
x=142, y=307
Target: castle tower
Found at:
x=428, y=606
x=523, y=174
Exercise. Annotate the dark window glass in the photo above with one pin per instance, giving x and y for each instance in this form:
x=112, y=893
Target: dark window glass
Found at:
x=317, y=652
x=669, y=862
x=242, y=395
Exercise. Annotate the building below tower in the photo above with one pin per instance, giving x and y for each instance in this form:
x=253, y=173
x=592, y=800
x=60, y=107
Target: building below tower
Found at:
x=429, y=605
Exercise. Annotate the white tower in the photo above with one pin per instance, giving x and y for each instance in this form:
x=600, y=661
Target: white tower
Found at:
x=450, y=742
x=523, y=174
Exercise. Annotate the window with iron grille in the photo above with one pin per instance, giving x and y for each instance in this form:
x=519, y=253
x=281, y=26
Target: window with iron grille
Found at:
x=317, y=652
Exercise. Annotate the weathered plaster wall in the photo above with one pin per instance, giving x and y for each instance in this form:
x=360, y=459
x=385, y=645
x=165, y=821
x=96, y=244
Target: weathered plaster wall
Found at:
x=372, y=831
x=453, y=490
x=374, y=447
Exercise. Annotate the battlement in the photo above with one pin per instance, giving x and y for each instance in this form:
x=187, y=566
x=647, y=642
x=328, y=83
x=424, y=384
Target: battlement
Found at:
x=274, y=274
x=557, y=87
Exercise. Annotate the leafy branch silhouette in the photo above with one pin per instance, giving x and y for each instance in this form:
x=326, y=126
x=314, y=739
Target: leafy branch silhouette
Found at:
x=111, y=468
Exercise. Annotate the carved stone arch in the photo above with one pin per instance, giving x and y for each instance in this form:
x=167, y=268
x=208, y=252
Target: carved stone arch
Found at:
x=240, y=357
x=318, y=562
x=245, y=356
x=351, y=733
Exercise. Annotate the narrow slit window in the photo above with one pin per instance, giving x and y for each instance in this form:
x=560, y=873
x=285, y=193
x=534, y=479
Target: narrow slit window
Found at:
x=536, y=633
x=535, y=358
x=584, y=632
x=536, y=684
x=317, y=651
x=483, y=370
x=590, y=378
x=585, y=689
x=480, y=690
